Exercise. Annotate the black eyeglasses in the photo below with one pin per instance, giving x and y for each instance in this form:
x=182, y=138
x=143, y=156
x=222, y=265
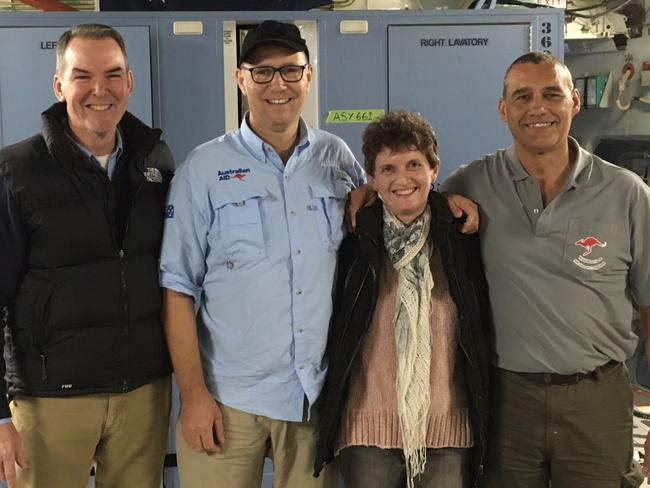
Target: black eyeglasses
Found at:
x=290, y=73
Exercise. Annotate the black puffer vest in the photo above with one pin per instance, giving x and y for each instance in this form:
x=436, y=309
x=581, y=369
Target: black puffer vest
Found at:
x=86, y=315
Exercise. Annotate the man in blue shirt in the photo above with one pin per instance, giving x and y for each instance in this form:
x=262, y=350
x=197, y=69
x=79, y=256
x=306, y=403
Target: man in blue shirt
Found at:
x=254, y=220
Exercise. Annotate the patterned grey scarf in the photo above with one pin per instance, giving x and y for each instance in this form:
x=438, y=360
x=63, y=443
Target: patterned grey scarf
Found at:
x=408, y=250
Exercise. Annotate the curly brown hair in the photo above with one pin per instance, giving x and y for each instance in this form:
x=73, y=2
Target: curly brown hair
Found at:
x=398, y=131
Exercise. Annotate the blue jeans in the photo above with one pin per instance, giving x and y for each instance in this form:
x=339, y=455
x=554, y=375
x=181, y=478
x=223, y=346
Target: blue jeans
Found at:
x=372, y=467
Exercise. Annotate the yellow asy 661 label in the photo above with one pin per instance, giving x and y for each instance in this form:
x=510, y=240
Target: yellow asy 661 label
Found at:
x=353, y=116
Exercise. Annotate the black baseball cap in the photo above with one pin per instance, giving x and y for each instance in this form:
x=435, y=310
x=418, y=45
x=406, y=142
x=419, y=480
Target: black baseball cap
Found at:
x=271, y=31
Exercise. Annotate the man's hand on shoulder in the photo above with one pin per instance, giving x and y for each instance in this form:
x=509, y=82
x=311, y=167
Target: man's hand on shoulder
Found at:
x=202, y=423
x=359, y=197
x=11, y=454
x=464, y=207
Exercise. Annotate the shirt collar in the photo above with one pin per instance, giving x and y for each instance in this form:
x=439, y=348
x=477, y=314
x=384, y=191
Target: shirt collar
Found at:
x=259, y=148
x=114, y=155
x=579, y=173
x=514, y=165
x=304, y=138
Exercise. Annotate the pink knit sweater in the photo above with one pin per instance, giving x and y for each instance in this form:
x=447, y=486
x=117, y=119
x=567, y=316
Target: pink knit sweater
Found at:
x=370, y=417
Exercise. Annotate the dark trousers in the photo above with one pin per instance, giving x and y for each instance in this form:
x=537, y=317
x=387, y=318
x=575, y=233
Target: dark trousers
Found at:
x=569, y=435
x=372, y=467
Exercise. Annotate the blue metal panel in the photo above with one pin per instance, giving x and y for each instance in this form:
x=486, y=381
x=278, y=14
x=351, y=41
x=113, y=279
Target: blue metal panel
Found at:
x=437, y=69
x=190, y=81
x=353, y=72
x=356, y=71
x=27, y=66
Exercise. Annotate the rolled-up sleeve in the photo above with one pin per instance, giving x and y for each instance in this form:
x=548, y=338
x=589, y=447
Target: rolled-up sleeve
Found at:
x=184, y=247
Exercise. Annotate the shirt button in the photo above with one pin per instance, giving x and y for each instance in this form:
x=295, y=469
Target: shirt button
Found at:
x=535, y=211
x=298, y=252
x=301, y=330
x=299, y=292
x=230, y=264
x=292, y=213
x=301, y=366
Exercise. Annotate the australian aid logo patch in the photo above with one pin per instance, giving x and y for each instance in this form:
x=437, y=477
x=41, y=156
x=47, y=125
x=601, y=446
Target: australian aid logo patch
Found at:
x=588, y=245
x=233, y=174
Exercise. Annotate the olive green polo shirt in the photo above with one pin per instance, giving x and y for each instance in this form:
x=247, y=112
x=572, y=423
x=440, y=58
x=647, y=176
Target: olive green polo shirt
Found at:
x=563, y=279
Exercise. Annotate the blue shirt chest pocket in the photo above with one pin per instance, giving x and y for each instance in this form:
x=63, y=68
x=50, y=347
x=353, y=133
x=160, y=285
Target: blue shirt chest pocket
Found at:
x=328, y=205
x=240, y=232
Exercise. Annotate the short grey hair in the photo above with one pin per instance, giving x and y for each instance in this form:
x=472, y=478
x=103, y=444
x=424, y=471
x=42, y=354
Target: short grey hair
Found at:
x=536, y=57
x=87, y=31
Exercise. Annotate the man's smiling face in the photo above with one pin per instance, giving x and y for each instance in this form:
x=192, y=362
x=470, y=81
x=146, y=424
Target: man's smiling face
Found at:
x=275, y=106
x=538, y=105
x=95, y=82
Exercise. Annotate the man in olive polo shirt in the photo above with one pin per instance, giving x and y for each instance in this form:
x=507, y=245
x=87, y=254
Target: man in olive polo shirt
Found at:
x=562, y=235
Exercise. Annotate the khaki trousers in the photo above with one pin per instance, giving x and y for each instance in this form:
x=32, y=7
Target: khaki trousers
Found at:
x=124, y=434
x=249, y=439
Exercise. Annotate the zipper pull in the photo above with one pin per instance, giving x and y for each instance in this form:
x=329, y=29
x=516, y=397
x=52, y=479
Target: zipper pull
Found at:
x=43, y=367
x=121, y=253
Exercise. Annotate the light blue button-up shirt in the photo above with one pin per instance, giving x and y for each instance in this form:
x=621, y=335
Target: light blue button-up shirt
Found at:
x=254, y=242
x=111, y=162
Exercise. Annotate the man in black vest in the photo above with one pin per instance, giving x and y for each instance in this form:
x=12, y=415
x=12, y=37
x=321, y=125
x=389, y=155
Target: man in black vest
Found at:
x=81, y=213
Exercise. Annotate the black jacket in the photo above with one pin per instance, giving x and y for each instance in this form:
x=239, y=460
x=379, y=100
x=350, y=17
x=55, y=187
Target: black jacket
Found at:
x=360, y=263
x=79, y=253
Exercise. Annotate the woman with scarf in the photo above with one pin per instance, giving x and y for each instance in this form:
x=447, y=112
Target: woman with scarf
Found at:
x=405, y=400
